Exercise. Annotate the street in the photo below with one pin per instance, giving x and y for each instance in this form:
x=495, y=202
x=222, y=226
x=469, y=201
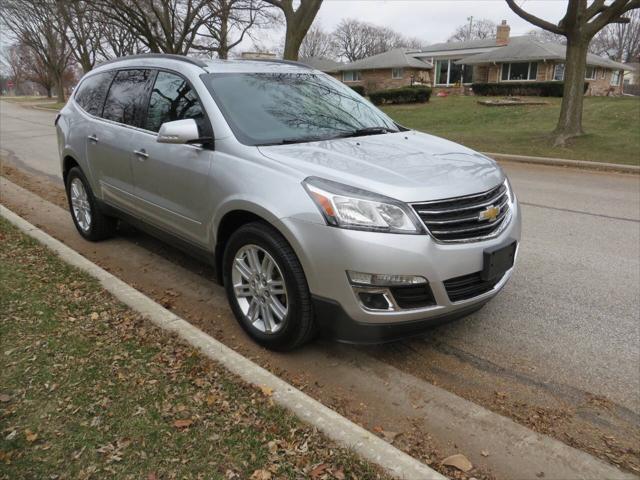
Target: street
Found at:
x=565, y=330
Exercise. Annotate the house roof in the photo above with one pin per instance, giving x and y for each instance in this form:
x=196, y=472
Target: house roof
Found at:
x=529, y=48
x=321, y=63
x=469, y=44
x=396, y=58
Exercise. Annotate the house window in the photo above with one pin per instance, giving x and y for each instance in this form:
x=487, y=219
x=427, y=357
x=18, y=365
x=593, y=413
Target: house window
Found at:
x=397, y=73
x=590, y=73
x=603, y=73
x=448, y=73
x=519, y=71
x=558, y=72
x=615, y=78
x=351, y=76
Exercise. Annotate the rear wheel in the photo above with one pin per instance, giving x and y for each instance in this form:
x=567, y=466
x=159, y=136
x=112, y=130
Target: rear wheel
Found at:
x=90, y=222
x=267, y=288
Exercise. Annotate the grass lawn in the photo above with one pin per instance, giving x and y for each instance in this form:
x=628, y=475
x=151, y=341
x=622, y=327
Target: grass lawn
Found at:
x=612, y=126
x=50, y=106
x=26, y=98
x=88, y=389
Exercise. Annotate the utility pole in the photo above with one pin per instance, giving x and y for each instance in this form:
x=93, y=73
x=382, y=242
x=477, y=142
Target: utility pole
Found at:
x=470, y=26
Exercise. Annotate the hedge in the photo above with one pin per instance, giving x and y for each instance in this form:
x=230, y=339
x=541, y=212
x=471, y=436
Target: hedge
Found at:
x=417, y=94
x=359, y=89
x=538, y=89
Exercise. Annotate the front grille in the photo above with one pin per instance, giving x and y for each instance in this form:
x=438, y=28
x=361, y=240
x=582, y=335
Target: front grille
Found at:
x=468, y=286
x=414, y=296
x=458, y=219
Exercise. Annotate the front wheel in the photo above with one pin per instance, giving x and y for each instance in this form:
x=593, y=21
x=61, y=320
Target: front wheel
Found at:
x=267, y=288
x=90, y=222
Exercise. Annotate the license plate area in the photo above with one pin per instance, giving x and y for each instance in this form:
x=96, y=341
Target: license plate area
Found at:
x=498, y=260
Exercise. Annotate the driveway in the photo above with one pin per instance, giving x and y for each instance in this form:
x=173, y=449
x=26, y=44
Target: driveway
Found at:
x=561, y=344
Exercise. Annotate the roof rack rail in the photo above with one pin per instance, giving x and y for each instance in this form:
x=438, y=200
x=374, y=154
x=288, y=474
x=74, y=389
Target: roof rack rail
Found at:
x=171, y=56
x=275, y=60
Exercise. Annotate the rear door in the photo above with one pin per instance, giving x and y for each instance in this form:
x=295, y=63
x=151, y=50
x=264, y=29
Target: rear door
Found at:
x=112, y=139
x=172, y=183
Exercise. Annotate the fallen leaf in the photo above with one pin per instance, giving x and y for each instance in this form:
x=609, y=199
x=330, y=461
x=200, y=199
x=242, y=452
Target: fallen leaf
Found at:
x=266, y=391
x=261, y=475
x=484, y=453
x=458, y=461
x=339, y=474
x=390, y=436
x=95, y=316
x=152, y=476
x=5, y=398
x=187, y=422
x=30, y=436
x=319, y=470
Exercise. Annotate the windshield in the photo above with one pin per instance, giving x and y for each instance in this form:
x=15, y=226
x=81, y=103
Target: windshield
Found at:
x=275, y=108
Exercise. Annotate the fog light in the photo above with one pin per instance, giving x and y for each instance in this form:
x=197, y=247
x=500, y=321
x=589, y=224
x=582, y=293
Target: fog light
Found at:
x=382, y=279
x=374, y=301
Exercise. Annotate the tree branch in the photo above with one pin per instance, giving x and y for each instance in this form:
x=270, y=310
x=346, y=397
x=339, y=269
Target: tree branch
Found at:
x=538, y=22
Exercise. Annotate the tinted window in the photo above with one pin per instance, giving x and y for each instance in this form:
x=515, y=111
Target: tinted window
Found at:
x=172, y=98
x=264, y=108
x=126, y=100
x=91, y=93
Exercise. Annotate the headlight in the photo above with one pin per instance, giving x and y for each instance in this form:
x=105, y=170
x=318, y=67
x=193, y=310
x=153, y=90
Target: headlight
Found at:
x=348, y=207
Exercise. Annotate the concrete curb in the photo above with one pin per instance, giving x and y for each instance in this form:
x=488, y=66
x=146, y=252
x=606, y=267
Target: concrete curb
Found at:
x=559, y=162
x=332, y=424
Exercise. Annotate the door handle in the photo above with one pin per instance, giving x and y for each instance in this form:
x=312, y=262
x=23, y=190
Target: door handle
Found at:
x=93, y=138
x=141, y=154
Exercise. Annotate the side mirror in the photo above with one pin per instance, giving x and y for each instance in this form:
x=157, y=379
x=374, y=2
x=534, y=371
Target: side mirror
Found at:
x=180, y=131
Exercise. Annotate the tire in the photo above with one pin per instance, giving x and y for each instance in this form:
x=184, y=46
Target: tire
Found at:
x=89, y=220
x=297, y=326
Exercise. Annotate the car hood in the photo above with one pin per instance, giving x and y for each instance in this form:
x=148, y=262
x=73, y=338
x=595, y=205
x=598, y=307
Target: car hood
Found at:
x=409, y=166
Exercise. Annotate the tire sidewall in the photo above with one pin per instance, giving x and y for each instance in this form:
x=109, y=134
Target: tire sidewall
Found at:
x=251, y=235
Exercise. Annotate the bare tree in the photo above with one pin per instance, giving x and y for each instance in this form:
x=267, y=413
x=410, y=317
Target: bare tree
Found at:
x=117, y=39
x=229, y=22
x=474, y=30
x=162, y=26
x=619, y=41
x=81, y=29
x=298, y=23
x=318, y=43
x=547, y=36
x=35, y=24
x=356, y=40
x=581, y=22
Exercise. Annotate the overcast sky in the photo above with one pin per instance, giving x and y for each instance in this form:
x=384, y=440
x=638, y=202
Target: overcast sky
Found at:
x=431, y=20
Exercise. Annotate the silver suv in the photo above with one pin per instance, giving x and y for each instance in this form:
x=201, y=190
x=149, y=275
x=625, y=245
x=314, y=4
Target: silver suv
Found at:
x=318, y=212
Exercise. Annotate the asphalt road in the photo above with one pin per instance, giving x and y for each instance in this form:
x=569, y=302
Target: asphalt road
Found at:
x=571, y=312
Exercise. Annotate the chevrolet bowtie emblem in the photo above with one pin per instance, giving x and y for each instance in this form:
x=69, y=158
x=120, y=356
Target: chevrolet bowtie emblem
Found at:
x=491, y=213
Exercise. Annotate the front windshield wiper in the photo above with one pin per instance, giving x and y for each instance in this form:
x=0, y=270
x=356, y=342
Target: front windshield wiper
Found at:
x=361, y=132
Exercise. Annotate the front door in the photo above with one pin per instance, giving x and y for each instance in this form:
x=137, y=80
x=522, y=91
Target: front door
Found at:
x=110, y=142
x=172, y=184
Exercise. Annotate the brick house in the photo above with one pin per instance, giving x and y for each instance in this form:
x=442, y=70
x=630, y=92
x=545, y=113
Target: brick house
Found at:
x=326, y=65
x=513, y=59
x=392, y=69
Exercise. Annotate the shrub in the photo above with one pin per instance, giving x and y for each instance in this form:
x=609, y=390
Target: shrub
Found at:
x=416, y=94
x=359, y=89
x=538, y=89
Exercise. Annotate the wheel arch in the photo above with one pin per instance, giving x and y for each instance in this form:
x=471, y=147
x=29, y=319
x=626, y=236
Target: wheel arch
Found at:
x=236, y=218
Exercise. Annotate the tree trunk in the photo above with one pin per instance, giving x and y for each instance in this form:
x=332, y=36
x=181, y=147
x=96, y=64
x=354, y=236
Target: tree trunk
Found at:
x=570, y=121
x=292, y=43
x=60, y=89
x=48, y=92
x=223, y=46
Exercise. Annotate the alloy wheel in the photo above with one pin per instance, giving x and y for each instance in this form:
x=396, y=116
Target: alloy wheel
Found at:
x=259, y=289
x=80, y=204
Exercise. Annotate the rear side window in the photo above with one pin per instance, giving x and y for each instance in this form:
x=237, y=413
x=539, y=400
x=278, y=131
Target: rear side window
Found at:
x=126, y=100
x=91, y=93
x=172, y=98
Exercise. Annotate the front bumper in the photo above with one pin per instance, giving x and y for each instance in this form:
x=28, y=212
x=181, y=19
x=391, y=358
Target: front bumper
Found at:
x=326, y=253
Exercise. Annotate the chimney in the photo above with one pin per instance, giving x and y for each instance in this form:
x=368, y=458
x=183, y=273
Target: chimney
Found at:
x=502, y=34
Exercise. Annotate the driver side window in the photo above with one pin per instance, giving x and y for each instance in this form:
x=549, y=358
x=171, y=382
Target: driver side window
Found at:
x=172, y=98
